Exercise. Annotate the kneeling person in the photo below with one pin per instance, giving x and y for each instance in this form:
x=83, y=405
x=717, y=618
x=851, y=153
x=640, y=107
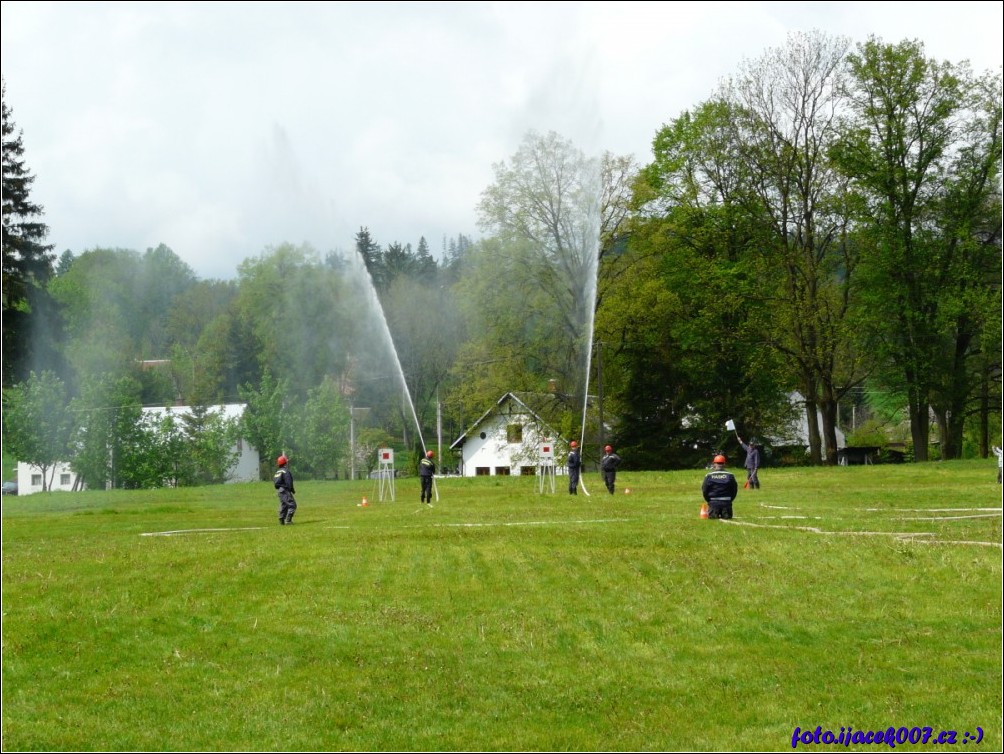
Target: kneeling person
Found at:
x=719, y=490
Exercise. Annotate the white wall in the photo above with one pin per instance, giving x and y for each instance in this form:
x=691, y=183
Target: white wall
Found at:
x=246, y=467
x=496, y=451
x=62, y=480
x=244, y=470
x=798, y=432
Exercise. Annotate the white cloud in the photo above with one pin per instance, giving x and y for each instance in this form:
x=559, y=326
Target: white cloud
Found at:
x=222, y=128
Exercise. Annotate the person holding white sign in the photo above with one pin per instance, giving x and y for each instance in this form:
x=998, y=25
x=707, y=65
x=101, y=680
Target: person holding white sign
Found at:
x=752, y=462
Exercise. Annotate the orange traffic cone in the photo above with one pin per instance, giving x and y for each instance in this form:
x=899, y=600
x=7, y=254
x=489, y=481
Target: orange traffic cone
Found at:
x=364, y=504
x=704, y=510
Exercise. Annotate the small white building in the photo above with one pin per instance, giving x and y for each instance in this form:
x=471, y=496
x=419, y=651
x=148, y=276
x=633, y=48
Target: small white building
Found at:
x=797, y=433
x=29, y=478
x=245, y=469
x=64, y=479
x=506, y=440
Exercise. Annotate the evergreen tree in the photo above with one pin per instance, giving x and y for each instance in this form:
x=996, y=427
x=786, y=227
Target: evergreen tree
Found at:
x=398, y=261
x=27, y=261
x=425, y=264
x=372, y=256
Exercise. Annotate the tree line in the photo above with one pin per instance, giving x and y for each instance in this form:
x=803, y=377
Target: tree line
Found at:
x=827, y=221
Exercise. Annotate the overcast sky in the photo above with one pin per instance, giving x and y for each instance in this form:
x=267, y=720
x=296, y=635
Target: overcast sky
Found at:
x=221, y=129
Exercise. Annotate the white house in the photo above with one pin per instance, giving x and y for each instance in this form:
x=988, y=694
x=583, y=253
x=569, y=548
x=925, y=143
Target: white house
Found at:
x=797, y=433
x=29, y=478
x=506, y=440
x=246, y=467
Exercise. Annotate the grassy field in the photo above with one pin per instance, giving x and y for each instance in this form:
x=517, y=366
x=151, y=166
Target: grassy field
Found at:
x=505, y=619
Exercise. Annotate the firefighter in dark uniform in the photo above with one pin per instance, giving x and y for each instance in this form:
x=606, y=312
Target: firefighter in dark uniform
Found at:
x=426, y=471
x=719, y=490
x=283, y=481
x=608, y=465
x=574, y=464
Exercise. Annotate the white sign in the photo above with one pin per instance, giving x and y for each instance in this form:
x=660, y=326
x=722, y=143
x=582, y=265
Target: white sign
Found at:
x=386, y=455
x=730, y=425
x=547, y=450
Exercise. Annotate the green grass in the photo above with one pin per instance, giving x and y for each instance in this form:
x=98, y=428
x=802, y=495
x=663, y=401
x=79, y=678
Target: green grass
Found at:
x=505, y=619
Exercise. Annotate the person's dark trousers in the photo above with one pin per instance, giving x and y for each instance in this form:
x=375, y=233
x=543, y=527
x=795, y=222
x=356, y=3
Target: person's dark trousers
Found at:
x=287, y=507
x=720, y=509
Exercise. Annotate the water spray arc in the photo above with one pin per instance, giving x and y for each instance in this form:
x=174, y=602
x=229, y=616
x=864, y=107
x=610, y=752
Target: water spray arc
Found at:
x=591, y=261
x=374, y=305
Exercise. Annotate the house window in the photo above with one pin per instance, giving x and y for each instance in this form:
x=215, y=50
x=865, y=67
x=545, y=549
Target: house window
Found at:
x=502, y=471
x=64, y=480
x=36, y=480
x=528, y=471
x=514, y=433
x=482, y=471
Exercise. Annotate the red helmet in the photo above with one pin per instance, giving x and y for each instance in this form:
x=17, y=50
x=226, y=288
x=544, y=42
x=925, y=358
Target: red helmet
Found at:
x=429, y=454
x=720, y=459
x=573, y=444
x=608, y=449
x=281, y=460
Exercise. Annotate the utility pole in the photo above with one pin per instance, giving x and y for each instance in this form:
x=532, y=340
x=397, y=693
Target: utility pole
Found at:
x=599, y=387
x=354, y=413
x=439, y=430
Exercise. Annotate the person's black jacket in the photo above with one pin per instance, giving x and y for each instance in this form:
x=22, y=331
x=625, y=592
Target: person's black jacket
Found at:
x=283, y=480
x=719, y=485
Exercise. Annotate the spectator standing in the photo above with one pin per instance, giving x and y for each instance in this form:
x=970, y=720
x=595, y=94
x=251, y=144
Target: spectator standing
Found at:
x=752, y=462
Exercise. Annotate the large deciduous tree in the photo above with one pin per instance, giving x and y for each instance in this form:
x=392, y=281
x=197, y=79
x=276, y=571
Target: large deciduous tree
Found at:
x=555, y=213
x=696, y=353
x=117, y=306
x=923, y=152
x=786, y=105
x=301, y=314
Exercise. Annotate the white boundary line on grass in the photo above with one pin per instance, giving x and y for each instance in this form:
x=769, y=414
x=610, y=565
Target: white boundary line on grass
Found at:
x=536, y=523
x=902, y=536
x=197, y=531
x=892, y=510
x=946, y=518
x=461, y=525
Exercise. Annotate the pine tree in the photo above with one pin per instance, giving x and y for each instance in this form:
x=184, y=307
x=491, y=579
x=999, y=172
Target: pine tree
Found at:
x=372, y=256
x=27, y=261
x=425, y=264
